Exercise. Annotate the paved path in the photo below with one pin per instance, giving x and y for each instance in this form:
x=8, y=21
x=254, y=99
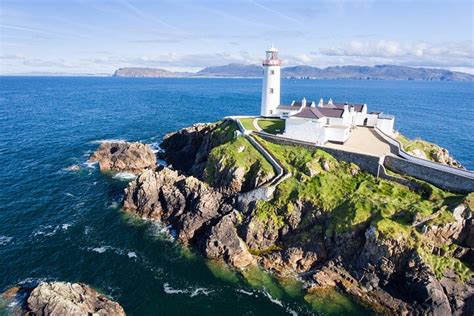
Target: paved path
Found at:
x=364, y=140
x=255, y=124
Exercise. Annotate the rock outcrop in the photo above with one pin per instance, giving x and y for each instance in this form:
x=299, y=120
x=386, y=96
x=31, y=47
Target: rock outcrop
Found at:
x=376, y=251
x=199, y=214
x=124, y=156
x=62, y=298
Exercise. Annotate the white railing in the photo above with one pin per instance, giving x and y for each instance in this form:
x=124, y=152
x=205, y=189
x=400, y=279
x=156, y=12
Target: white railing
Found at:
x=427, y=163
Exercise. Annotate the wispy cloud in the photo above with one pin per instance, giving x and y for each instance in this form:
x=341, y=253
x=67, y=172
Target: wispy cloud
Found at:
x=276, y=12
x=142, y=15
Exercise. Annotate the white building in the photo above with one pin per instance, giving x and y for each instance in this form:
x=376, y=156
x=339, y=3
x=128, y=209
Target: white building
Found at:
x=315, y=122
x=271, y=83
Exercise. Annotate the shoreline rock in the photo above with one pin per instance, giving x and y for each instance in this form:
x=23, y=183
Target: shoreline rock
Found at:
x=62, y=298
x=124, y=156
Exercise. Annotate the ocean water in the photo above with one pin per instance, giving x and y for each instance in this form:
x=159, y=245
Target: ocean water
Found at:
x=61, y=224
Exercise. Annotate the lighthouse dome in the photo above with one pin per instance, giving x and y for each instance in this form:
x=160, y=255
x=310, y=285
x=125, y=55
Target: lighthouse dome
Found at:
x=272, y=49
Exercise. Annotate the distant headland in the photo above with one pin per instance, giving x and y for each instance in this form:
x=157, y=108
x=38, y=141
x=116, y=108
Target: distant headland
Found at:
x=378, y=72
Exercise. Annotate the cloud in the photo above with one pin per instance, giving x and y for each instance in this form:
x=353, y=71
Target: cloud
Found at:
x=276, y=12
x=450, y=54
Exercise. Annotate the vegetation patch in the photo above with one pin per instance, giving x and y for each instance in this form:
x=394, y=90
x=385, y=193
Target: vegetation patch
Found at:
x=440, y=264
x=272, y=126
x=248, y=123
x=237, y=152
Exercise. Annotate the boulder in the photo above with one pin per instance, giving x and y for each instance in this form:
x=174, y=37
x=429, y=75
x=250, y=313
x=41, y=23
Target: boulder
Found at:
x=124, y=156
x=63, y=298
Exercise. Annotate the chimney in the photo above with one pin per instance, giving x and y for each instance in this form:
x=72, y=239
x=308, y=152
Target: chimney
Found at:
x=352, y=109
x=303, y=102
x=313, y=104
x=346, y=108
x=321, y=102
x=330, y=101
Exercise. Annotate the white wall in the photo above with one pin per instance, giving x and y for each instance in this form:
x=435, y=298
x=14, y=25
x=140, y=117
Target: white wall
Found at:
x=306, y=130
x=386, y=125
x=270, y=101
x=337, y=134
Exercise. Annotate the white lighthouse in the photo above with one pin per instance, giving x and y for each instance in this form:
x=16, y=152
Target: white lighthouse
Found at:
x=271, y=83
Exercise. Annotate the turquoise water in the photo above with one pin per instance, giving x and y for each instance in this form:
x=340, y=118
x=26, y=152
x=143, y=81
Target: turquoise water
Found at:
x=57, y=224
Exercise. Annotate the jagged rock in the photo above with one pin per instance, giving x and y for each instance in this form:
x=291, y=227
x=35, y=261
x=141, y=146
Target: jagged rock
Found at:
x=224, y=243
x=388, y=255
x=61, y=298
x=187, y=149
x=259, y=234
x=423, y=287
x=184, y=202
x=124, y=156
x=289, y=261
x=442, y=156
x=333, y=275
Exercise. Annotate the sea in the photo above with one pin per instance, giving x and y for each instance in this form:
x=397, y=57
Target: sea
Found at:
x=61, y=219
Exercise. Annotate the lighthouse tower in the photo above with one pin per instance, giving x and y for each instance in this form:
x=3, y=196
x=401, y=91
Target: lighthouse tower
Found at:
x=271, y=83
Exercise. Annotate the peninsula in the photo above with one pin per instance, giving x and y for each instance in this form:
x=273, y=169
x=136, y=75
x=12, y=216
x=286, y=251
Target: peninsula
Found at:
x=324, y=192
x=378, y=72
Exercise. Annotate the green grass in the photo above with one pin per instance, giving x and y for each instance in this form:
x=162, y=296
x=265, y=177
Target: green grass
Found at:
x=248, y=123
x=409, y=145
x=272, y=126
x=235, y=153
x=350, y=202
x=440, y=264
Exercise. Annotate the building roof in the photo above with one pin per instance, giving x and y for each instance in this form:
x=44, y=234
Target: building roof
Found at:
x=334, y=110
x=317, y=113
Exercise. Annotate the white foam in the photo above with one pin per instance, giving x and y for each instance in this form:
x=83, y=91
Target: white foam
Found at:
x=87, y=230
x=132, y=254
x=200, y=290
x=162, y=162
x=114, y=205
x=65, y=226
x=90, y=164
x=155, y=147
x=124, y=176
x=170, y=290
x=5, y=240
x=245, y=292
x=100, y=249
x=71, y=195
x=273, y=300
x=111, y=140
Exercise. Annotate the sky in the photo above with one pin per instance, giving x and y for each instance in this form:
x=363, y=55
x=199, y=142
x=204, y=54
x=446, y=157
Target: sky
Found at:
x=99, y=36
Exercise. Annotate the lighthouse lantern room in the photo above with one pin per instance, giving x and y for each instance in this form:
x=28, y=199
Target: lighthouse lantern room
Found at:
x=271, y=83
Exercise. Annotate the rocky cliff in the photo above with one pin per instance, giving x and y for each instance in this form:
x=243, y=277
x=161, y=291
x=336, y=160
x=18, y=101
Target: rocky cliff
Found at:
x=395, y=250
x=123, y=156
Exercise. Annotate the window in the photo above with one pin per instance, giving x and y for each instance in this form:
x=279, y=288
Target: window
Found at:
x=271, y=90
x=272, y=72
x=327, y=121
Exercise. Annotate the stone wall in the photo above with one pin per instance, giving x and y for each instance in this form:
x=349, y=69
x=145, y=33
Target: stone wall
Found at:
x=440, y=178
x=367, y=163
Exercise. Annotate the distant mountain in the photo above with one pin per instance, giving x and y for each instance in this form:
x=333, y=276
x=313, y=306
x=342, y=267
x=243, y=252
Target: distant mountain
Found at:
x=379, y=72
x=137, y=72
x=232, y=70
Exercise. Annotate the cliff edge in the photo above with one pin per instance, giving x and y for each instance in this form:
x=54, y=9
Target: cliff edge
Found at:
x=396, y=250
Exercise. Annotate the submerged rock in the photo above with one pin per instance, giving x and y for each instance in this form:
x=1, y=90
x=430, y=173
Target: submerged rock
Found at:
x=62, y=298
x=124, y=156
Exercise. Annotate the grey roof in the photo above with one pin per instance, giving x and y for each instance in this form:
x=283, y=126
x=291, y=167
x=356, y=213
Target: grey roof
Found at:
x=317, y=113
